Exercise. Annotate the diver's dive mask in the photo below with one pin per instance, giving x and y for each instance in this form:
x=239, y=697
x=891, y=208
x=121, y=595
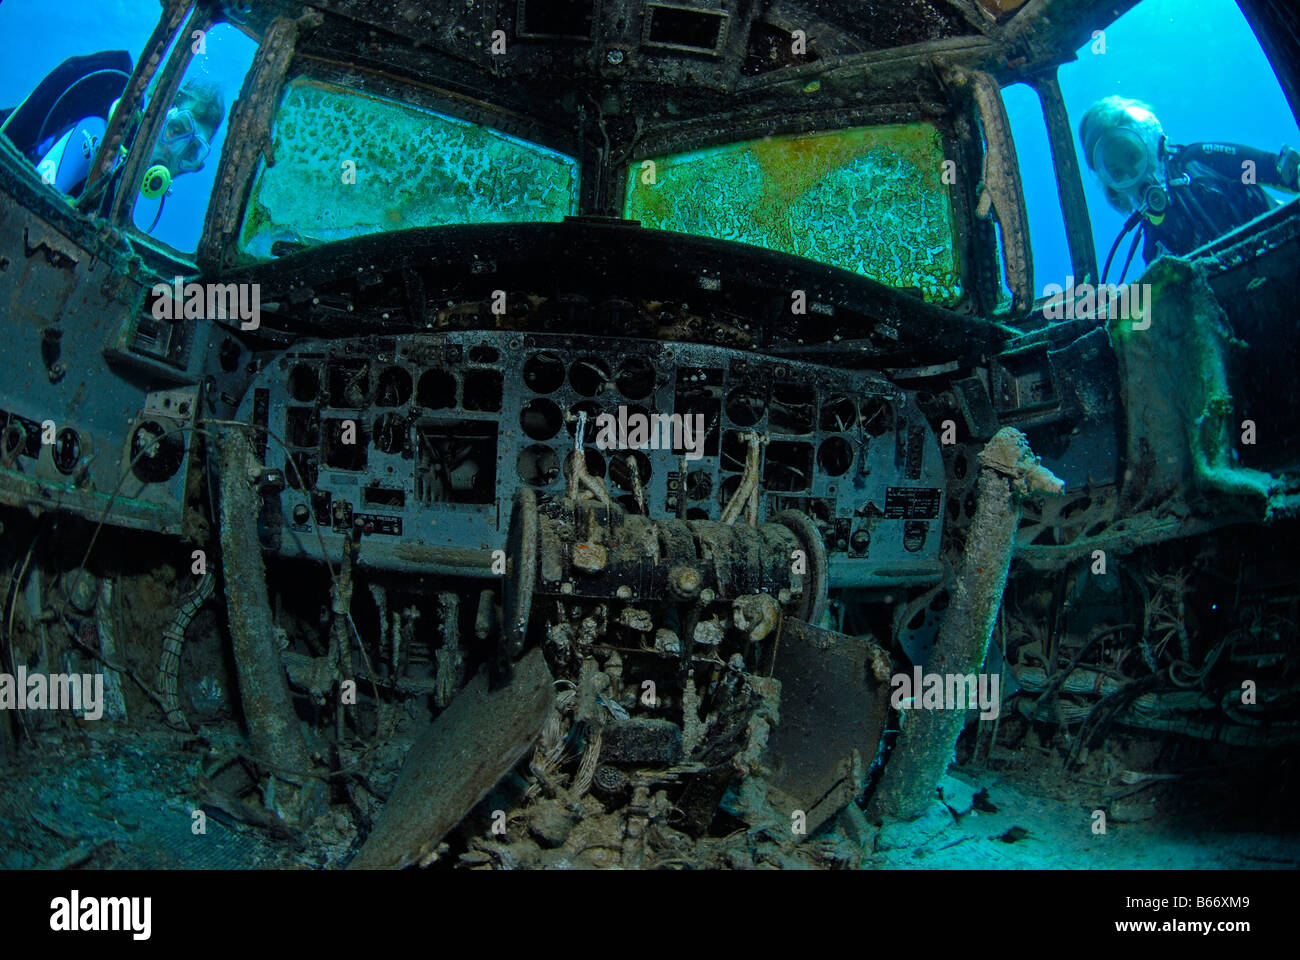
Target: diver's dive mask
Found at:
x=181, y=143
x=1124, y=159
x=1131, y=162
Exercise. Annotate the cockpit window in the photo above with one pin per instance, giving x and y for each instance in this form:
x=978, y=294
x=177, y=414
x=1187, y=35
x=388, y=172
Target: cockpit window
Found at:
x=868, y=199
x=1051, y=249
x=173, y=197
x=349, y=163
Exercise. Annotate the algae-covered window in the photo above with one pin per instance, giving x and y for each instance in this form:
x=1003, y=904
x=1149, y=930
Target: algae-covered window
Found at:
x=349, y=163
x=869, y=199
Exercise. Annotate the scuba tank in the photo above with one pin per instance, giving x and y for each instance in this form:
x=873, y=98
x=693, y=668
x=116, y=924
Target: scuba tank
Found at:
x=67, y=164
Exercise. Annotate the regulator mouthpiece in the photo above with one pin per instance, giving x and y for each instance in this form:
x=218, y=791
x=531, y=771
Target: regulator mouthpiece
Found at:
x=156, y=181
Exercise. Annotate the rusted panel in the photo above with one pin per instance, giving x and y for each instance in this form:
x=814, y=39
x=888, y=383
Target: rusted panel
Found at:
x=465, y=751
x=68, y=291
x=834, y=701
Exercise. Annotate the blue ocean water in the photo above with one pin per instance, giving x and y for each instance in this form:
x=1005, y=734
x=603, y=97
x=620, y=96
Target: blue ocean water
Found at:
x=1199, y=66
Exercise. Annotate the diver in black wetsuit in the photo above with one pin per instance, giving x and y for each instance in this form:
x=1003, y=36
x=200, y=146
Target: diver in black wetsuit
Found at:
x=1182, y=196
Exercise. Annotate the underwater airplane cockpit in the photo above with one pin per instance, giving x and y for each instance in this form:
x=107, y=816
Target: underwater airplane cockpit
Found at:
x=658, y=434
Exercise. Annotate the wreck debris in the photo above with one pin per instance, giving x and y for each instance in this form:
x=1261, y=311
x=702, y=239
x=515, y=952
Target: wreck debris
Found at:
x=114, y=702
x=590, y=718
x=1174, y=377
x=379, y=594
x=756, y=614
x=928, y=737
x=484, y=618
x=638, y=820
x=697, y=604
x=677, y=638
x=521, y=572
x=745, y=498
x=277, y=738
x=834, y=702
x=646, y=559
x=450, y=657
x=693, y=728
x=173, y=642
x=341, y=628
x=456, y=761
x=551, y=744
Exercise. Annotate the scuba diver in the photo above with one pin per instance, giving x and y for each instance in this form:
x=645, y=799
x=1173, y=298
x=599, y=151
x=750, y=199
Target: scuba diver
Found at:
x=60, y=124
x=1180, y=196
x=186, y=138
